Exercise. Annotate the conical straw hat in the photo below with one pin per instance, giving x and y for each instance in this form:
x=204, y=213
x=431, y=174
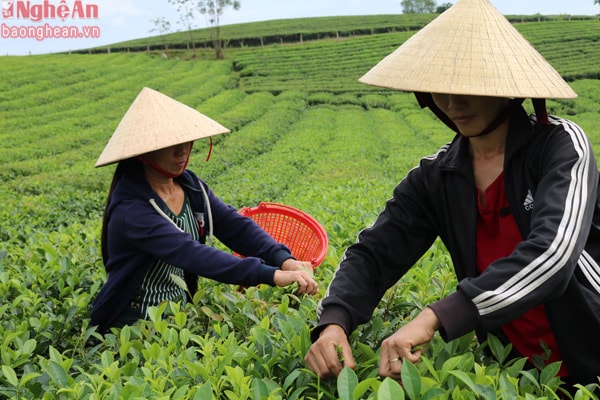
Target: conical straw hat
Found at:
x=470, y=49
x=155, y=121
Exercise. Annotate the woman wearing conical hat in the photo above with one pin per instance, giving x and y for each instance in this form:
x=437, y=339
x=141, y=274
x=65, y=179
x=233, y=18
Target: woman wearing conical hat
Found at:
x=514, y=198
x=159, y=216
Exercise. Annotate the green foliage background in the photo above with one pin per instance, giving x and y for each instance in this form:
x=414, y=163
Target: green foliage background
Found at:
x=304, y=132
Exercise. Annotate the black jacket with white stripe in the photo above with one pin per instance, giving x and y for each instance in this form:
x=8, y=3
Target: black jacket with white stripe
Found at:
x=551, y=183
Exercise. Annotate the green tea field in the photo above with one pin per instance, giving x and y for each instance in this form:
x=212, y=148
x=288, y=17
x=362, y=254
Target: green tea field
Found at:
x=303, y=132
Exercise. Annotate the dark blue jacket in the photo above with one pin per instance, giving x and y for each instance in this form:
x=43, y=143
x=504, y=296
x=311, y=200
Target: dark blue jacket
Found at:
x=138, y=235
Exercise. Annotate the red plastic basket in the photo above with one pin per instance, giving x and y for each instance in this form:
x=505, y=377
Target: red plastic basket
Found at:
x=299, y=231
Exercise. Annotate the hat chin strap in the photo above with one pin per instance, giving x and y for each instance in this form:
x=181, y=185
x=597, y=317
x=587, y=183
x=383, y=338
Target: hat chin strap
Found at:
x=541, y=112
x=426, y=100
x=162, y=171
x=513, y=105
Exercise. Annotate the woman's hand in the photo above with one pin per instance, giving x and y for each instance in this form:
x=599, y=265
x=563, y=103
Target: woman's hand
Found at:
x=294, y=265
x=304, y=279
x=409, y=342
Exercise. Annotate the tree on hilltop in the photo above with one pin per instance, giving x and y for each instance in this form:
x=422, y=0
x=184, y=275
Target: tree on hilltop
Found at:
x=443, y=7
x=418, y=6
x=163, y=27
x=185, y=8
x=213, y=10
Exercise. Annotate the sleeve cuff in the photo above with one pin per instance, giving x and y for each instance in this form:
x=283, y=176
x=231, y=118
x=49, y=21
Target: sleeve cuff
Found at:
x=457, y=314
x=266, y=274
x=280, y=256
x=333, y=315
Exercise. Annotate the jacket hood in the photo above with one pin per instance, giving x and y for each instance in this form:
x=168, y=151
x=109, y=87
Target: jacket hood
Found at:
x=133, y=185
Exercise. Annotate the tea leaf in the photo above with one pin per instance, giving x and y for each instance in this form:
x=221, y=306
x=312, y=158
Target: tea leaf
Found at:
x=57, y=373
x=411, y=379
x=346, y=383
x=204, y=392
x=10, y=375
x=390, y=390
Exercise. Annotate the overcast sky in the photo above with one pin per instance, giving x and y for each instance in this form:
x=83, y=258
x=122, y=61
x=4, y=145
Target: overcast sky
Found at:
x=120, y=20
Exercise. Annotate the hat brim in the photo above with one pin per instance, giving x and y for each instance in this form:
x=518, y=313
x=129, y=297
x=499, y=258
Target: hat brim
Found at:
x=470, y=49
x=155, y=121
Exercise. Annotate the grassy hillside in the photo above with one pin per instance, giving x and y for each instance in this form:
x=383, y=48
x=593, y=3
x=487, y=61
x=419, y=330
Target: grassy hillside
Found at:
x=289, y=31
x=295, y=30
x=304, y=132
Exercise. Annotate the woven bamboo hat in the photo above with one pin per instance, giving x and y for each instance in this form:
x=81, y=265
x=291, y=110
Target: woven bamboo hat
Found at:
x=155, y=121
x=470, y=49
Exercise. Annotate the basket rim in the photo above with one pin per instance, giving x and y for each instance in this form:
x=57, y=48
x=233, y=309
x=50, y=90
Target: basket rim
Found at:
x=284, y=209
